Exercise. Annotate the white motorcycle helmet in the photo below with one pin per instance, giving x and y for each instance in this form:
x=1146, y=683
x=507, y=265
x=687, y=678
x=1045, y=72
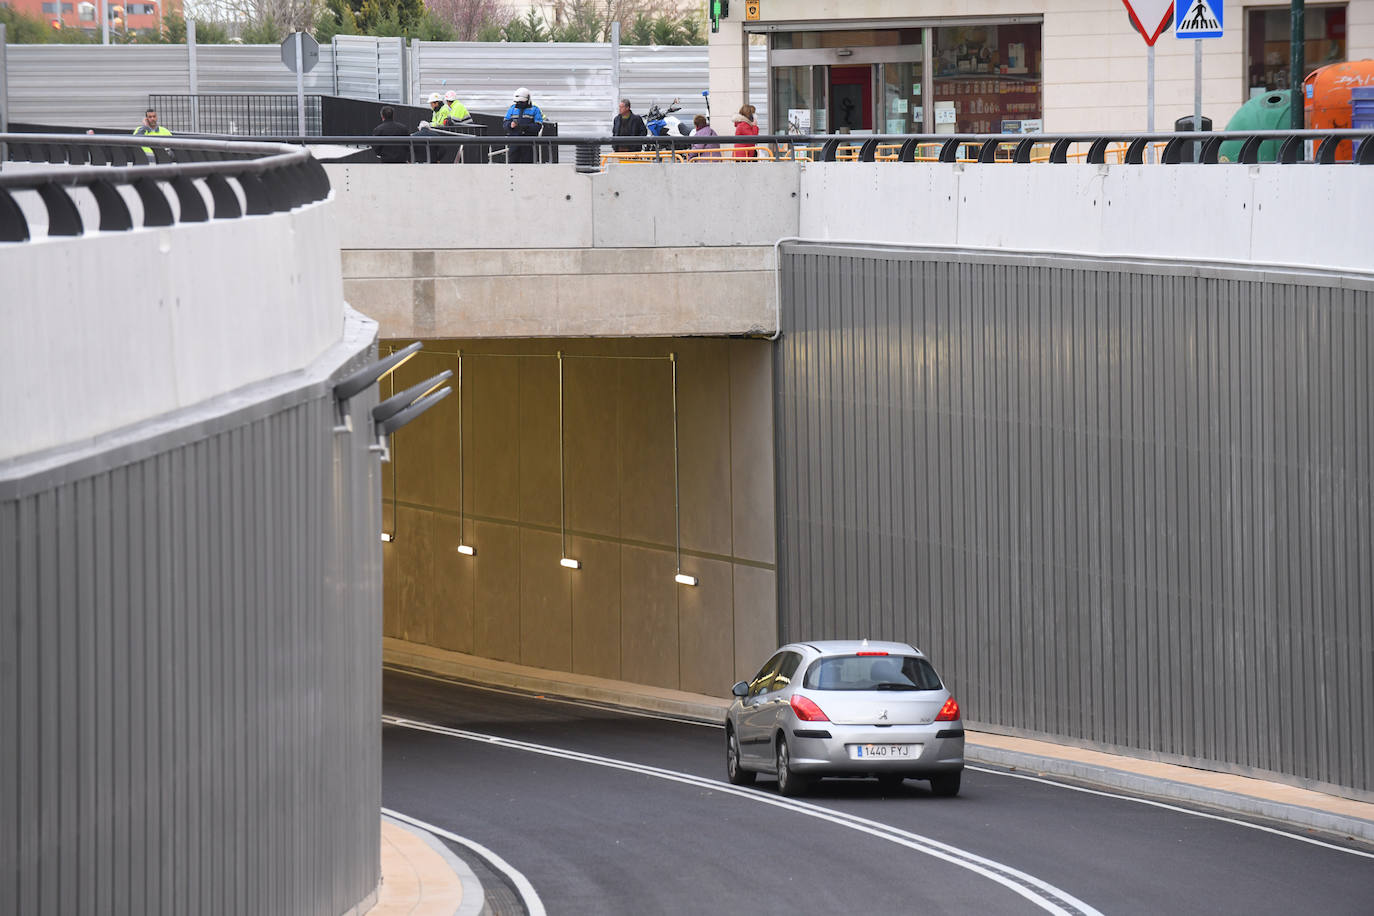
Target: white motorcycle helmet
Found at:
x=522, y=94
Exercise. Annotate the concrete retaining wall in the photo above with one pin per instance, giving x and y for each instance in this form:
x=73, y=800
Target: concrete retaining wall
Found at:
x=566, y=241
x=114, y=329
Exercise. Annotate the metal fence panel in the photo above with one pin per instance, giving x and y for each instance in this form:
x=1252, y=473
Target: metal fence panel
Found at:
x=1124, y=503
x=572, y=83
x=367, y=67
x=92, y=85
x=190, y=671
x=258, y=69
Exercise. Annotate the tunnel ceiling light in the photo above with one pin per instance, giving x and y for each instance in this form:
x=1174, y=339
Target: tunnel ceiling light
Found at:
x=684, y=579
x=388, y=537
x=466, y=550
x=570, y=563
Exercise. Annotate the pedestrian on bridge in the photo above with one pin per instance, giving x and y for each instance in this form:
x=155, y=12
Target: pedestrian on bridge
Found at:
x=627, y=124
x=523, y=119
x=389, y=128
x=745, y=126
x=150, y=128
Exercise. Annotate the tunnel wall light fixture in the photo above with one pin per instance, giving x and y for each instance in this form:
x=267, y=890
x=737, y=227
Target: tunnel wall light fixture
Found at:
x=566, y=562
x=681, y=578
x=464, y=547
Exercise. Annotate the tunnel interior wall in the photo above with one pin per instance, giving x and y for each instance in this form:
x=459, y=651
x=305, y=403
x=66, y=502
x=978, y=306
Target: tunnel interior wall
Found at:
x=484, y=470
x=1122, y=502
x=190, y=661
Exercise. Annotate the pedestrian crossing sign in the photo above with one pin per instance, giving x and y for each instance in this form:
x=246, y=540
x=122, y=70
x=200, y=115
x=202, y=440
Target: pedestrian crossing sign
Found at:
x=1198, y=18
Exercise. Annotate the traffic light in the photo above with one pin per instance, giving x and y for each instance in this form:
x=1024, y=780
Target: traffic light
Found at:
x=719, y=10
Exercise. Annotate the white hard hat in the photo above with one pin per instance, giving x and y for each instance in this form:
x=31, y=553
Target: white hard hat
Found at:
x=435, y=97
x=450, y=96
x=522, y=94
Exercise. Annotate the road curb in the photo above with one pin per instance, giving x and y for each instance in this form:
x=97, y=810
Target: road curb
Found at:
x=1155, y=787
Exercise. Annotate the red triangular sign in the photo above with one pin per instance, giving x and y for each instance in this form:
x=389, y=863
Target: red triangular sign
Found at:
x=1151, y=18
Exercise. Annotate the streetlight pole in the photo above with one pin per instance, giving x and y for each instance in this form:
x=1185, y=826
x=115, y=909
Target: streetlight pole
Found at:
x=1297, y=65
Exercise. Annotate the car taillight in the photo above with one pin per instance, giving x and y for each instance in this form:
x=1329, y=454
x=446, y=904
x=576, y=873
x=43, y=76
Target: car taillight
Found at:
x=806, y=710
x=949, y=712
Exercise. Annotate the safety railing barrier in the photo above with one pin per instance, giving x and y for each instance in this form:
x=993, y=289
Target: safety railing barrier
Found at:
x=1240, y=147
x=270, y=178
x=236, y=114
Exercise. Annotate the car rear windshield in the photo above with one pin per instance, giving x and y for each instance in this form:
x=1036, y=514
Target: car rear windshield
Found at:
x=871, y=672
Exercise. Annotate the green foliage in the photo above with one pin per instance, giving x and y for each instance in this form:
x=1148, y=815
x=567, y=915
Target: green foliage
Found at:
x=24, y=30
x=174, y=29
x=640, y=32
x=584, y=21
x=335, y=18
x=432, y=28
x=390, y=18
x=265, y=32
x=490, y=32
x=211, y=33
x=529, y=28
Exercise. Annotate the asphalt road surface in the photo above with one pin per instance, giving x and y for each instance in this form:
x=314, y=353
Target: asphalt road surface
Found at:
x=606, y=812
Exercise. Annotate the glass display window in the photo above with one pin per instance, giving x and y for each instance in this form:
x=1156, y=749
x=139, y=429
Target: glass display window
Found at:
x=1268, y=34
x=987, y=79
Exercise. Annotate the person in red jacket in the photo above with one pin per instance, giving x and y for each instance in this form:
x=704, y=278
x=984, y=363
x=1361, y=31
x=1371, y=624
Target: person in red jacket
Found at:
x=745, y=127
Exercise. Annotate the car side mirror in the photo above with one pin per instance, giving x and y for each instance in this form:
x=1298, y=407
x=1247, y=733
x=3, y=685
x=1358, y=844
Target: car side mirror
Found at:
x=741, y=689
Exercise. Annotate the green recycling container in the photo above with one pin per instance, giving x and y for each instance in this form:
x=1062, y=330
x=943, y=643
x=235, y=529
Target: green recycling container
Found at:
x=1268, y=111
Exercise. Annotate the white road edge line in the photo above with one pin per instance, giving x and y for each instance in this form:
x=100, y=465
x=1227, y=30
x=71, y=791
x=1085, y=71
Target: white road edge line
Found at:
x=1178, y=808
x=530, y=693
x=533, y=905
x=1013, y=879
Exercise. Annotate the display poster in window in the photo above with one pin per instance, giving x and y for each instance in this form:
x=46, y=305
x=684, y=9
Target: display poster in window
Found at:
x=799, y=120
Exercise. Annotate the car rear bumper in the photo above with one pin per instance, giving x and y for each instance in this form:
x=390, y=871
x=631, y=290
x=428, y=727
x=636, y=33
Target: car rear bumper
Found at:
x=942, y=749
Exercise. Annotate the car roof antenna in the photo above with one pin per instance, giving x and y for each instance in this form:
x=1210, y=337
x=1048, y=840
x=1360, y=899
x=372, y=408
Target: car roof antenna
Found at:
x=865, y=640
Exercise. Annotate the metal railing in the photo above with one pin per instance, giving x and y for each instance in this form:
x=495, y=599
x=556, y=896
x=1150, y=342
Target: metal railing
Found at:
x=236, y=114
x=269, y=178
x=1173, y=148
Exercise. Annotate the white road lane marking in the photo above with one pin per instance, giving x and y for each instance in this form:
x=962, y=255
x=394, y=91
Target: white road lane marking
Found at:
x=1044, y=895
x=533, y=905
x=1168, y=807
x=1049, y=782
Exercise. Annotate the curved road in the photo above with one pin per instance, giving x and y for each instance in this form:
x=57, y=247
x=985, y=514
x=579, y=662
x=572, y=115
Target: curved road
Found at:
x=609, y=812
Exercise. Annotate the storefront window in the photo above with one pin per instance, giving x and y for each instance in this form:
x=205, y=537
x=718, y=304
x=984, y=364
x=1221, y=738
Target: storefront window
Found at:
x=801, y=100
x=987, y=79
x=1268, y=48
x=901, y=100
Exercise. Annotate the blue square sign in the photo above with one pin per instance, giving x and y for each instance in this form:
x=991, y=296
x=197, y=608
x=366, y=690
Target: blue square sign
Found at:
x=1198, y=18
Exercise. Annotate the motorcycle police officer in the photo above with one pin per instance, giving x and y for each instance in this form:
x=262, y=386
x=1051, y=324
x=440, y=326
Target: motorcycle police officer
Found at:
x=523, y=119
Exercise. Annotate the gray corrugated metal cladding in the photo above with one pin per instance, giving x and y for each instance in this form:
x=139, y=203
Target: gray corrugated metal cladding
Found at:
x=1123, y=502
x=190, y=669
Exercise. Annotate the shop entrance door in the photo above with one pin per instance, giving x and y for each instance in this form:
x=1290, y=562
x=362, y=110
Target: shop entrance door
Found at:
x=851, y=98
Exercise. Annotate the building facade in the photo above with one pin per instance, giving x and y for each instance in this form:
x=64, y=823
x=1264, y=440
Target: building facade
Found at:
x=85, y=15
x=951, y=66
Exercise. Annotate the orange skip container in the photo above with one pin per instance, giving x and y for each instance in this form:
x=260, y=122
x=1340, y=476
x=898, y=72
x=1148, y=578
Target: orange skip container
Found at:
x=1326, y=97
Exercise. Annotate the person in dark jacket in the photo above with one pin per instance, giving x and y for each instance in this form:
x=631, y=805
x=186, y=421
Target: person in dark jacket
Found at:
x=389, y=128
x=523, y=119
x=628, y=124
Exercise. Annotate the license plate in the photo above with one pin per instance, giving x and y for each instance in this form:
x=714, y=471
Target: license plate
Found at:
x=884, y=751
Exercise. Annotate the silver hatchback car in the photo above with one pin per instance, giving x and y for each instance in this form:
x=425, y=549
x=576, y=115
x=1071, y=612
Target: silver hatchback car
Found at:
x=845, y=708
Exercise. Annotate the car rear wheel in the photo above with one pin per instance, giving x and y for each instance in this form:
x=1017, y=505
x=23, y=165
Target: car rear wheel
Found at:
x=790, y=784
x=737, y=775
x=946, y=785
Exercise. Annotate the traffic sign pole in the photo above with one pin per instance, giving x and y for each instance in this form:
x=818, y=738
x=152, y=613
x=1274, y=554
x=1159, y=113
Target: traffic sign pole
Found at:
x=300, y=86
x=1197, y=84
